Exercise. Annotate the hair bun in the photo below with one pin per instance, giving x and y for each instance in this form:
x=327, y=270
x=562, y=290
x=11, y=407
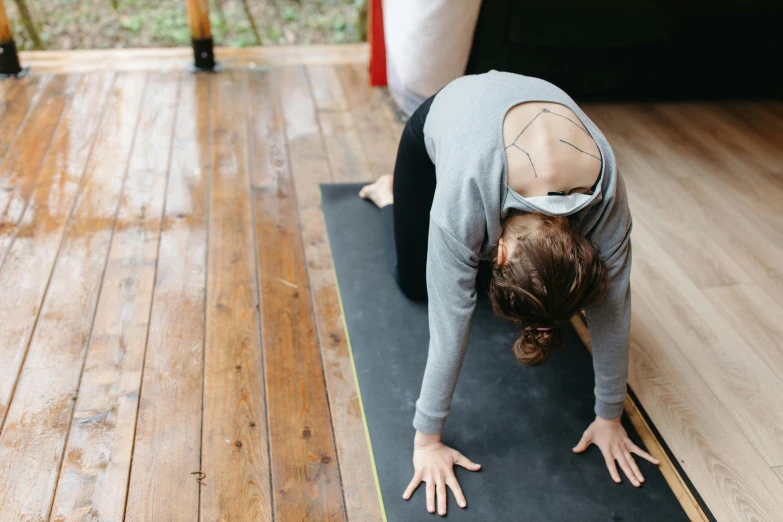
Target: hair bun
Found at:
x=535, y=347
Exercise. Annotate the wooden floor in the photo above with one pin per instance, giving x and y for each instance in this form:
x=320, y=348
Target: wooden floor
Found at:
x=171, y=344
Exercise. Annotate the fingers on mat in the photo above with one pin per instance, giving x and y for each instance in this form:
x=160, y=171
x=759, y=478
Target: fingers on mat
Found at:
x=610, y=465
x=643, y=454
x=583, y=444
x=430, y=496
x=636, y=471
x=619, y=455
x=415, y=481
x=466, y=463
x=441, y=492
x=457, y=491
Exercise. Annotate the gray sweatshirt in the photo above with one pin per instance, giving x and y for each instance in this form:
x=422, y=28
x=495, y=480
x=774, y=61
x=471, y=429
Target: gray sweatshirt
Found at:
x=464, y=138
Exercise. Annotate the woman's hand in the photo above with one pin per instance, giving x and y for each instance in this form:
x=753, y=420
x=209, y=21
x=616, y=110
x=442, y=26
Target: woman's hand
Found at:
x=611, y=438
x=433, y=463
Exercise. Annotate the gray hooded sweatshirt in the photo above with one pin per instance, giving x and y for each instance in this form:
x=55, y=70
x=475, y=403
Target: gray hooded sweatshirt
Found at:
x=464, y=138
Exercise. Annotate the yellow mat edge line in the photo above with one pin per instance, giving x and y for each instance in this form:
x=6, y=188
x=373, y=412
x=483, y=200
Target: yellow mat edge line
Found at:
x=683, y=493
x=358, y=390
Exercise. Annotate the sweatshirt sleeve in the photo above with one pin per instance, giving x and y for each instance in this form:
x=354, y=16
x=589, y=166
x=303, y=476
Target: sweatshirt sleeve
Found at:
x=609, y=323
x=451, y=290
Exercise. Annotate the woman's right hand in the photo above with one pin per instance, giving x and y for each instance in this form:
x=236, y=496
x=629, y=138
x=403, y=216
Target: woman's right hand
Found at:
x=433, y=463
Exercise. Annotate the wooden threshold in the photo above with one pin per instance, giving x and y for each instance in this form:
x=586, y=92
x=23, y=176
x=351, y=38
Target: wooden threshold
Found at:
x=158, y=59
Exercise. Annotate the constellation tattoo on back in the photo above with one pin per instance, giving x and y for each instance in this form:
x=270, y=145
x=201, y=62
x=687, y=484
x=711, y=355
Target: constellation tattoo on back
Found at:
x=547, y=111
x=580, y=150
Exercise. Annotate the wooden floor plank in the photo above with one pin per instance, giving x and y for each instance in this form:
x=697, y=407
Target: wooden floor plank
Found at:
x=32, y=442
x=25, y=274
x=368, y=109
x=326, y=87
x=94, y=477
x=758, y=118
x=304, y=459
x=235, y=452
x=309, y=167
x=305, y=146
x=736, y=375
x=729, y=156
x=756, y=316
x=729, y=474
x=735, y=230
x=15, y=103
x=389, y=113
x=347, y=160
x=23, y=161
x=167, y=443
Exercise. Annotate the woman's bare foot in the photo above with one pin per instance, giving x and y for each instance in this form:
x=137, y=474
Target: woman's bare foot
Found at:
x=379, y=192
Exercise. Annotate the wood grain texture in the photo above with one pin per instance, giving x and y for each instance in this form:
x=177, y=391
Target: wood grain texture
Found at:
x=736, y=231
x=369, y=114
x=167, y=443
x=779, y=471
x=16, y=101
x=94, y=477
x=755, y=316
x=729, y=474
x=738, y=377
x=235, y=449
x=28, y=265
x=728, y=150
x=22, y=163
x=347, y=160
x=326, y=87
x=309, y=162
x=304, y=459
x=762, y=120
x=38, y=420
x=309, y=167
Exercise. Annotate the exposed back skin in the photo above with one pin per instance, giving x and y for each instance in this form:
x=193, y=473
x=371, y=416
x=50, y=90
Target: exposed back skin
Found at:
x=548, y=149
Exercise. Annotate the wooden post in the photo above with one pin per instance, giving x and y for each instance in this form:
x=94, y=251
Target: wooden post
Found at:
x=9, y=59
x=201, y=35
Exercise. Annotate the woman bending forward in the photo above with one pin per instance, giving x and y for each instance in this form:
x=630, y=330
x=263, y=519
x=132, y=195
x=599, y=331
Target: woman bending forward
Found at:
x=508, y=168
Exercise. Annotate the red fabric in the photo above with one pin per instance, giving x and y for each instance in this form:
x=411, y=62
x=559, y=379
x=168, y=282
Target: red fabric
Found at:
x=377, y=43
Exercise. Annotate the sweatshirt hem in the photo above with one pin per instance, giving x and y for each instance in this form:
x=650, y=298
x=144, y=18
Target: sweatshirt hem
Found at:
x=608, y=410
x=426, y=424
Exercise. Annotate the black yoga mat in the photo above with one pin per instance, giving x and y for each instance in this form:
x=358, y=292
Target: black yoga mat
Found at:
x=519, y=423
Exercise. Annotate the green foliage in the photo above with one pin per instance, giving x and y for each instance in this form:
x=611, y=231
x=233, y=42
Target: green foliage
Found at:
x=132, y=23
x=84, y=24
x=289, y=14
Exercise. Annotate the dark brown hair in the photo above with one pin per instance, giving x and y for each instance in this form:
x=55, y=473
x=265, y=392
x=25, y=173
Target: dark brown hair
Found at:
x=552, y=274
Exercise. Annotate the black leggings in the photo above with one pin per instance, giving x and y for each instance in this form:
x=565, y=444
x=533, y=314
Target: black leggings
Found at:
x=405, y=224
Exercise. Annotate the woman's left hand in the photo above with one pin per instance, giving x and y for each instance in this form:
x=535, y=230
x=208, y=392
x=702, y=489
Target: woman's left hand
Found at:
x=612, y=439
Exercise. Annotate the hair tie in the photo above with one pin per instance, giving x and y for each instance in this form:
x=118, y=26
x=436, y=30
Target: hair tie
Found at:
x=545, y=329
